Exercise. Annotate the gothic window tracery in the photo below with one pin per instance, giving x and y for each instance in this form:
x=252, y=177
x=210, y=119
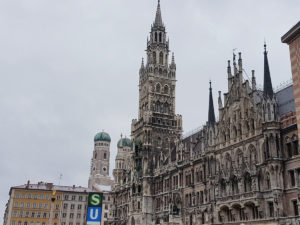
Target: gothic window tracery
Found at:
x=154, y=57
x=161, y=58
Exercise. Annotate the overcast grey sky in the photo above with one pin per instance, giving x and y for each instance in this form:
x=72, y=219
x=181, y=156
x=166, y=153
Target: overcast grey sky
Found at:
x=69, y=68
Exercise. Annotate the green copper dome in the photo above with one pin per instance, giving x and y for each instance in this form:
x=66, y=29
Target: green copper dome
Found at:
x=102, y=136
x=126, y=142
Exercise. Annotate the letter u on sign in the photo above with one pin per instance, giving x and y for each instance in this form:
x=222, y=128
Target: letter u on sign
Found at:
x=94, y=215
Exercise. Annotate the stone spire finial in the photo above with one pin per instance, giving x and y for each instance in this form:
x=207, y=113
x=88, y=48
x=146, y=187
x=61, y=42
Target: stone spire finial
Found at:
x=220, y=100
x=211, y=110
x=158, y=20
x=268, y=89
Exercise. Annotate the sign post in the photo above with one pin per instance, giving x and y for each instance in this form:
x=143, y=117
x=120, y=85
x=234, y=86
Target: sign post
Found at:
x=94, y=209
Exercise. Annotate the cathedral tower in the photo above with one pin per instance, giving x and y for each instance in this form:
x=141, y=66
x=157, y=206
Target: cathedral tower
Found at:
x=99, y=174
x=157, y=128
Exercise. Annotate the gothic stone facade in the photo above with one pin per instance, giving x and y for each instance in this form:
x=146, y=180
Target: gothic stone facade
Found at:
x=243, y=168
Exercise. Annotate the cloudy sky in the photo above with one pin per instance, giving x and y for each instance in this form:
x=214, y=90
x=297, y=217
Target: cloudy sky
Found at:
x=69, y=68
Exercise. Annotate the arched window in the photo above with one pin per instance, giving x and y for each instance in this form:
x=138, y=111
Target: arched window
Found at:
x=166, y=89
x=158, y=87
x=154, y=57
x=268, y=182
x=166, y=108
x=269, y=112
x=95, y=155
x=247, y=182
x=235, y=185
x=161, y=58
x=104, y=155
x=155, y=36
x=160, y=37
x=159, y=141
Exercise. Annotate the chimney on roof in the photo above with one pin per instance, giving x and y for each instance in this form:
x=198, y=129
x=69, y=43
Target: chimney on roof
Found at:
x=73, y=186
x=27, y=185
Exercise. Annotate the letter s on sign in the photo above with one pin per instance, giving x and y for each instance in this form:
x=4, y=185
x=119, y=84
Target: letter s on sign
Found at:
x=95, y=199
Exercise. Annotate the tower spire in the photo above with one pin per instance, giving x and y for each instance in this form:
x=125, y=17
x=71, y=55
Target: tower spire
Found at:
x=211, y=110
x=158, y=20
x=268, y=90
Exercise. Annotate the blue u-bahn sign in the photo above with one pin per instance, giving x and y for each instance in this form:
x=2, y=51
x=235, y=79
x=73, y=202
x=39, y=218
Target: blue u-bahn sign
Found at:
x=94, y=209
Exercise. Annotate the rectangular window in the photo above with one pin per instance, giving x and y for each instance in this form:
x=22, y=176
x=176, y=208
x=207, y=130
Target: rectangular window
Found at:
x=47, y=197
x=58, y=197
x=72, y=206
x=66, y=197
x=13, y=222
x=295, y=207
x=46, y=206
x=34, y=205
x=56, y=215
x=29, y=196
x=28, y=205
x=78, y=215
x=80, y=198
x=40, y=205
x=45, y=215
x=27, y=214
x=65, y=206
x=22, y=204
x=39, y=215
x=79, y=206
x=32, y=214
x=64, y=215
x=105, y=215
x=41, y=196
x=57, y=207
x=21, y=213
x=16, y=204
x=17, y=195
x=35, y=196
x=15, y=213
x=292, y=177
x=73, y=197
x=23, y=195
x=71, y=215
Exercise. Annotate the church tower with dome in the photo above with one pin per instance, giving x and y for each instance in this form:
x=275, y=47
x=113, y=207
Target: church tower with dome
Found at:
x=99, y=175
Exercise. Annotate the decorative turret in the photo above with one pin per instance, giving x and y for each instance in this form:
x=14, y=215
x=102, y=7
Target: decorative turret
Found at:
x=234, y=65
x=229, y=75
x=173, y=65
x=211, y=110
x=240, y=63
x=253, y=80
x=268, y=89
